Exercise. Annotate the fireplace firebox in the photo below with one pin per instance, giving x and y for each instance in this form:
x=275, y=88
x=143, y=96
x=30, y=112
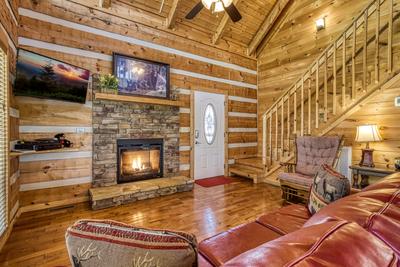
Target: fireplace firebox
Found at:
x=139, y=159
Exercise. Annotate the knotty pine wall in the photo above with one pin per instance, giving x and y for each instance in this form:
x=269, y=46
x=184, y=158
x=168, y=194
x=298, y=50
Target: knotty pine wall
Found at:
x=9, y=38
x=296, y=44
x=87, y=37
x=380, y=111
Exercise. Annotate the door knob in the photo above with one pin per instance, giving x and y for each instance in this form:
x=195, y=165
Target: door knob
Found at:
x=197, y=143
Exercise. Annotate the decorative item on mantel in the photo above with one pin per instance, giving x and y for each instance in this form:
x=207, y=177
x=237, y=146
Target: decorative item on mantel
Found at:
x=109, y=84
x=368, y=133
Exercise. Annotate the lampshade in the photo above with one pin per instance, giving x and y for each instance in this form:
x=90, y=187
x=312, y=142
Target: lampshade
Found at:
x=368, y=133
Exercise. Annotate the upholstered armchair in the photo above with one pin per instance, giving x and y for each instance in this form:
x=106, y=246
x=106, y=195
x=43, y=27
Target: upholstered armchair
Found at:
x=311, y=153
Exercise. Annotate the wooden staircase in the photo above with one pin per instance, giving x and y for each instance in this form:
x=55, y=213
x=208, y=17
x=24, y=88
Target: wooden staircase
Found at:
x=354, y=68
x=252, y=168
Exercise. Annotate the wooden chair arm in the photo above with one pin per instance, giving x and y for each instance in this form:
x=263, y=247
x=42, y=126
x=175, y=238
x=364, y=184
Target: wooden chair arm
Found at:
x=290, y=166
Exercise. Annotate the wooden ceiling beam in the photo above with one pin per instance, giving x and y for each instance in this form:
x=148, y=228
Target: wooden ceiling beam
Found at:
x=223, y=25
x=105, y=3
x=170, y=21
x=267, y=25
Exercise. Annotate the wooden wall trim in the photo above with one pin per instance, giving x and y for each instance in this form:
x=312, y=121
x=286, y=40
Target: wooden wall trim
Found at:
x=242, y=99
x=85, y=53
x=9, y=40
x=11, y=11
x=243, y=114
x=55, y=183
x=131, y=40
x=56, y=156
x=54, y=129
x=242, y=130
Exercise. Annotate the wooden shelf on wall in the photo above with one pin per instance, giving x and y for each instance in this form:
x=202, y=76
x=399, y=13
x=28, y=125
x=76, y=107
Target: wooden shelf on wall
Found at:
x=138, y=99
x=31, y=152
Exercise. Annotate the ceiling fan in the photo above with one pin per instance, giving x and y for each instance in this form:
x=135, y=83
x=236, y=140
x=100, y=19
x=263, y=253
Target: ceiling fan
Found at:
x=216, y=6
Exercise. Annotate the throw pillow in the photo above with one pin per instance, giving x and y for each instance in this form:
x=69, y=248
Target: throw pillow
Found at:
x=94, y=243
x=328, y=186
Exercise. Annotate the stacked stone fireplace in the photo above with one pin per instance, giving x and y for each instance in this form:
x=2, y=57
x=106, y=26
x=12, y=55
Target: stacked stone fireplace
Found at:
x=133, y=142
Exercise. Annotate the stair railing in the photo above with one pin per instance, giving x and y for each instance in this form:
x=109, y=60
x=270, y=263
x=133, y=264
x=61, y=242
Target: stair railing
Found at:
x=357, y=61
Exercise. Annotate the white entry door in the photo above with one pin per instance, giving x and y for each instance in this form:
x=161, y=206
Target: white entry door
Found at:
x=209, y=145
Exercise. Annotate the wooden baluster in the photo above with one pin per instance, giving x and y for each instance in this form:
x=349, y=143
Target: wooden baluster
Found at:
x=288, y=122
x=276, y=133
x=390, y=37
x=378, y=20
x=282, y=126
x=365, y=47
x=309, y=104
x=270, y=139
x=344, y=71
x=326, y=88
x=295, y=110
x=334, y=78
x=302, y=107
x=264, y=139
x=353, y=62
x=317, y=96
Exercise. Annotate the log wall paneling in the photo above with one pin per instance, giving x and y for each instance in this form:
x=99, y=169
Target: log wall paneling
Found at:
x=8, y=39
x=76, y=40
x=380, y=111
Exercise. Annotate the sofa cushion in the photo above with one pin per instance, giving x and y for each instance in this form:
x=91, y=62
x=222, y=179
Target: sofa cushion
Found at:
x=385, y=224
x=391, y=181
x=314, y=151
x=202, y=262
x=108, y=243
x=336, y=243
x=286, y=219
x=229, y=244
x=296, y=178
x=328, y=186
x=356, y=208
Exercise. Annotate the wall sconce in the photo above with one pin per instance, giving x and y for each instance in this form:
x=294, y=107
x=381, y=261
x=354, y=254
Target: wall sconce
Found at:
x=320, y=24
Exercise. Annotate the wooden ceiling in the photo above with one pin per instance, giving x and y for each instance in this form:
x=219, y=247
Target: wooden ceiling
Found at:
x=259, y=17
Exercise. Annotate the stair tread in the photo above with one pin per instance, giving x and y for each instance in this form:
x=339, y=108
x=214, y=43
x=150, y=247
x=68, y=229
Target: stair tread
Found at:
x=256, y=162
x=247, y=168
x=245, y=172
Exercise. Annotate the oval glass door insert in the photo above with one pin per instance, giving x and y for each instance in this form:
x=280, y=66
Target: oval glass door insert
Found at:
x=210, y=124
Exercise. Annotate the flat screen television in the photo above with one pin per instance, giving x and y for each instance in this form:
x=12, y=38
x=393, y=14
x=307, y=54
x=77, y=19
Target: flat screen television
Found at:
x=44, y=77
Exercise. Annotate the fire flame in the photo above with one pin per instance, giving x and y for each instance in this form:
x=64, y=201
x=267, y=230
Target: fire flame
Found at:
x=137, y=164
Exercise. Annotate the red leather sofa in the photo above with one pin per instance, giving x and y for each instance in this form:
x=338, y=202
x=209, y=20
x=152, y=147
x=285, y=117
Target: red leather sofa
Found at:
x=362, y=229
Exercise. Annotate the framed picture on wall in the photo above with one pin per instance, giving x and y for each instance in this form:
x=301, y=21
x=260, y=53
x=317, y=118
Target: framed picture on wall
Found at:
x=141, y=77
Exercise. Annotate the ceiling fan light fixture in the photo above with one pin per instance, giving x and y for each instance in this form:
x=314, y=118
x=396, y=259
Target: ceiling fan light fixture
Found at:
x=218, y=7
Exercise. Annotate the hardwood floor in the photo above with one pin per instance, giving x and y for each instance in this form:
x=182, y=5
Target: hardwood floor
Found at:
x=38, y=237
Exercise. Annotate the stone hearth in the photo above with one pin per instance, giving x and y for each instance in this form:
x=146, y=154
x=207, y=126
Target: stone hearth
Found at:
x=110, y=196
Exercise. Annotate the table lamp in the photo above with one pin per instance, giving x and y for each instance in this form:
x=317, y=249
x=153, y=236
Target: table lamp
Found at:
x=367, y=133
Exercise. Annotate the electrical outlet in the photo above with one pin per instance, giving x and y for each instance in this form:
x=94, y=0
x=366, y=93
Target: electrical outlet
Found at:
x=397, y=101
x=80, y=130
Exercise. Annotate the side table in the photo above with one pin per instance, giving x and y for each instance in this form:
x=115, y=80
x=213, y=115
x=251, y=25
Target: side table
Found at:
x=365, y=172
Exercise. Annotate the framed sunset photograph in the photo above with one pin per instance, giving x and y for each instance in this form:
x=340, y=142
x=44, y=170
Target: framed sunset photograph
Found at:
x=44, y=77
x=141, y=77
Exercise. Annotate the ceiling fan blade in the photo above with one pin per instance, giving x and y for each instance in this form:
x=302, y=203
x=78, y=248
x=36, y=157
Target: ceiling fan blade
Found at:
x=233, y=13
x=197, y=8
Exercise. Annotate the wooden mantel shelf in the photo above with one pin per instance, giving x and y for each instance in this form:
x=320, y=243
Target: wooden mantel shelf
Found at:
x=138, y=99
